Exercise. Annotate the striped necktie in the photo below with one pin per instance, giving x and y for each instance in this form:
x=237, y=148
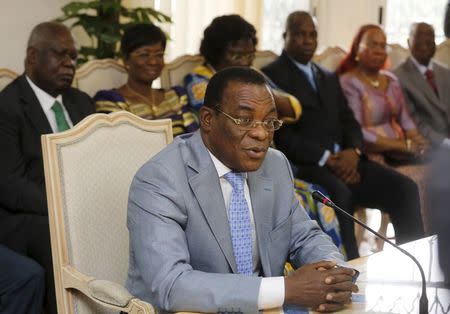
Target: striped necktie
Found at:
x=61, y=121
x=240, y=225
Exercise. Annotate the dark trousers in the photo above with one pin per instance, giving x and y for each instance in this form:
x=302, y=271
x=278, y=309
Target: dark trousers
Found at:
x=22, y=284
x=381, y=188
x=29, y=235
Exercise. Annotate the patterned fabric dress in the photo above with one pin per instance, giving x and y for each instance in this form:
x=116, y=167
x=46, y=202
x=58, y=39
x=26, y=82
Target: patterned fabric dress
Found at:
x=196, y=82
x=384, y=113
x=174, y=106
x=324, y=215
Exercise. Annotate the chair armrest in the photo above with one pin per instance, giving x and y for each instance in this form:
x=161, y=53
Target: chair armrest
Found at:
x=109, y=292
x=106, y=293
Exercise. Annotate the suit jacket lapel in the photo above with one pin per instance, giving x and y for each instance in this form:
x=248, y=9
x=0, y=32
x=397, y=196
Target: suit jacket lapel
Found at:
x=441, y=83
x=32, y=107
x=422, y=84
x=299, y=83
x=261, y=194
x=205, y=184
x=72, y=109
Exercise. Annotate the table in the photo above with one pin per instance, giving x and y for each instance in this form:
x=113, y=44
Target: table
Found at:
x=390, y=282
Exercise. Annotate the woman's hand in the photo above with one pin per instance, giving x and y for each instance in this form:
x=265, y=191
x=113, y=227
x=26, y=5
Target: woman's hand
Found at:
x=419, y=145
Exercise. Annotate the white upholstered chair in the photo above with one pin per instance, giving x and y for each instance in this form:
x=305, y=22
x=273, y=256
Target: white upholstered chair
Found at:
x=442, y=55
x=263, y=58
x=6, y=77
x=175, y=71
x=330, y=58
x=95, y=75
x=397, y=54
x=88, y=172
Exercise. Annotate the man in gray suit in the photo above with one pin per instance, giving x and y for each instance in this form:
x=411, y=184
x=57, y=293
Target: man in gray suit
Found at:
x=425, y=84
x=214, y=215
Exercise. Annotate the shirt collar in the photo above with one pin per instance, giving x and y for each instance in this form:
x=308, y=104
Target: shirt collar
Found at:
x=45, y=99
x=307, y=68
x=220, y=167
x=422, y=69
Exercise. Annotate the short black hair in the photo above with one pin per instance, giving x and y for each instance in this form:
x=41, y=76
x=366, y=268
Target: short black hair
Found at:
x=222, y=31
x=138, y=35
x=220, y=80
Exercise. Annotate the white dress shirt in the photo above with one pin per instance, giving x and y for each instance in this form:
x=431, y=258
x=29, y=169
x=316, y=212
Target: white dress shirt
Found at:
x=47, y=102
x=271, y=290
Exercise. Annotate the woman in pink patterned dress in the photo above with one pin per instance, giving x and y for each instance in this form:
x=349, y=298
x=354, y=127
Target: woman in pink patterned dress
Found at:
x=377, y=100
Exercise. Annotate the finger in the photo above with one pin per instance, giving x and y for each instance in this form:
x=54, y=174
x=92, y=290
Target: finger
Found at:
x=329, y=307
x=337, y=279
x=343, y=297
x=341, y=270
x=324, y=264
x=351, y=178
x=343, y=286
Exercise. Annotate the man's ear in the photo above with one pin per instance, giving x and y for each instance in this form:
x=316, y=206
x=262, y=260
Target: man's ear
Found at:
x=206, y=115
x=31, y=56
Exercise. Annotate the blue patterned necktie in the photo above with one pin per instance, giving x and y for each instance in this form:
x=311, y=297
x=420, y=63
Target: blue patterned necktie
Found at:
x=240, y=227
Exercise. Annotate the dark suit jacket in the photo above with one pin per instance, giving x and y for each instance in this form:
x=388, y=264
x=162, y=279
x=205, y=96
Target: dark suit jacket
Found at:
x=22, y=122
x=326, y=117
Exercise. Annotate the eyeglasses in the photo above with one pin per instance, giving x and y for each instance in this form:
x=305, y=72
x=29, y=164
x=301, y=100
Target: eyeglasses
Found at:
x=235, y=56
x=248, y=124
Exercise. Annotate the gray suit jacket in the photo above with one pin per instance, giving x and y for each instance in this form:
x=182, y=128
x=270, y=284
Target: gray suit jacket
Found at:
x=431, y=113
x=181, y=256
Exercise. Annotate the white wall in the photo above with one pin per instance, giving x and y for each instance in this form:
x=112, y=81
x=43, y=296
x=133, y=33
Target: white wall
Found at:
x=17, y=19
x=339, y=20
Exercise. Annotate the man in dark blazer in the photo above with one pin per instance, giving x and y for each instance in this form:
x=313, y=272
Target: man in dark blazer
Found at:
x=38, y=102
x=425, y=84
x=325, y=144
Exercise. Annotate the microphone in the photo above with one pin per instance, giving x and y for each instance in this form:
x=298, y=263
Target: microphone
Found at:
x=423, y=302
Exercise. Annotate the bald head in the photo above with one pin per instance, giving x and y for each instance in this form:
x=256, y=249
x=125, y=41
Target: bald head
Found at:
x=45, y=32
x=420, y=27
x=51, y=57
x=421, y=42
x=300, y=37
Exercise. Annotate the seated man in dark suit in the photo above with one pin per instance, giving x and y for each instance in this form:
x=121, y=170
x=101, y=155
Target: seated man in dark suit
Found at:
x=38, y=102
x=325, y=144
x=425, y=84
x=21, y=284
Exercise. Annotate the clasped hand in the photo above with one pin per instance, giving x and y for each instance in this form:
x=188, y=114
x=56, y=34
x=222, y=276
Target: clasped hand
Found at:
x=345, y=165
x=321, y=286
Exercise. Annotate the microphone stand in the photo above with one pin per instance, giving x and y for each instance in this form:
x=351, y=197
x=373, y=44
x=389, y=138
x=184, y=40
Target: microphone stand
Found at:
x=423, y=302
